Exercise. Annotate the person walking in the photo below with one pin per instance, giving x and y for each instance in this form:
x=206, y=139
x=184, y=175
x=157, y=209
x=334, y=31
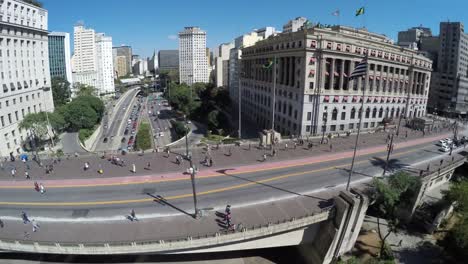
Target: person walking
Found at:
x=133, y=215
x=26, y=174
x=41, y=188
x=177, y=160
x=211, y=162
x=148, y=165
x=86, y=166
x=331, y=147
x=295, y=145
x=13, y=172
x=35, y=225
x=286, y=146
x=264, y=157
x=36, y=186
x=133, y=168
x=25, y=218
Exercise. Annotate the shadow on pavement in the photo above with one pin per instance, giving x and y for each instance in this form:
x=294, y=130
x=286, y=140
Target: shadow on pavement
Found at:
x=393, y=164
x=223, y=171
x=161, y=200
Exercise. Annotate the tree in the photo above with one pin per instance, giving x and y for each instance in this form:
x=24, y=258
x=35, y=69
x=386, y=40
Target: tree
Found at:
x=36, y=123
x=95, y=103
x=79, y=114
x=181, y=99
x=143, y=137
x=397, y=192
x=85, y=90
x=60, y=91
x=57, y=122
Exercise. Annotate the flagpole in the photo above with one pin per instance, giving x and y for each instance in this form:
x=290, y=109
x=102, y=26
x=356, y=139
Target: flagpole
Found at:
x=361, y=114
x=274, y=94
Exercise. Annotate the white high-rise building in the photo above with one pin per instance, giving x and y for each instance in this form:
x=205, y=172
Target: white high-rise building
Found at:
x=222, y=64
x=294, y=25
x=92, y=59
x=193, y=63
x=105, y=63
x=24, y=71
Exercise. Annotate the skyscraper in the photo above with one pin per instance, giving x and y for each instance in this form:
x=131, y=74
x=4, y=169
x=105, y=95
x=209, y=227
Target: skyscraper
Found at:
x=24, y=71
x=59, y=55
x=125, y=51
x=449, y=86
x=92, y=60
x=193, y=63
x=168, y=60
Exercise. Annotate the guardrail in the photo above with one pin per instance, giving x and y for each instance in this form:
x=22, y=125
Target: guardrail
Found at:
x=166, y=246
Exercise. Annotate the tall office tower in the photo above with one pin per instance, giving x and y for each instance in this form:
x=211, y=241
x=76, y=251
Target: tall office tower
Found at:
x=105, y=64
x=449, y=86
x=93, y=60
x=59, y=55
x=222, y=65
x=193, y=63
x=125, y=51
x=24, y=71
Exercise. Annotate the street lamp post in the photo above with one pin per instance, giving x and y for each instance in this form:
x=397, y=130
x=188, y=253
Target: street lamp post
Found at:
x=186, y=140
x=240, y=105
x=274, y=94
x=324, y=127
x=192, y=178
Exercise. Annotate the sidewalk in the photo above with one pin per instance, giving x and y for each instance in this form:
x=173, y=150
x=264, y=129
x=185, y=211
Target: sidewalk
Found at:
x=163, y=167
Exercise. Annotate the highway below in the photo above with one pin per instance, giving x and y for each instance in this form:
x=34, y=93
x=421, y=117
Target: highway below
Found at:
x=112, y=123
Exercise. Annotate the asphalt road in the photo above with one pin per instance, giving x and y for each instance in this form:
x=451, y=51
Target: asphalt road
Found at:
x=257, y=186
x=160, y=122
x=113, y=133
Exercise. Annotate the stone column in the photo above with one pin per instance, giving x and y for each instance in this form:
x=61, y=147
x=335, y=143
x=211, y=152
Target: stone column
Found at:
x=332, y=73
x=341, y=75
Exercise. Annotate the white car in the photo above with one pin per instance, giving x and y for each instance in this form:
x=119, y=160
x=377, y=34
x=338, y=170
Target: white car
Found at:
x=444, y=149
x=161, y=134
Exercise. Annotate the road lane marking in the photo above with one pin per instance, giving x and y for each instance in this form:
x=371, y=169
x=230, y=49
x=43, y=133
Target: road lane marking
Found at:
x=207, y=176
x=188, y=195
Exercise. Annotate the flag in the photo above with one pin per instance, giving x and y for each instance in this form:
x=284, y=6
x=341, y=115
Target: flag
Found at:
x=268, y=64
x=360, y=70
x=336, y=13
x=360, y=11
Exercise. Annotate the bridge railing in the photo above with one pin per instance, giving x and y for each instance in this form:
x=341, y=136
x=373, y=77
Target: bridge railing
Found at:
x=171, y=245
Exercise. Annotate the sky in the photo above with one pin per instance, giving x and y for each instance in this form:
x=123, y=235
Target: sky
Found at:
x=149, y=25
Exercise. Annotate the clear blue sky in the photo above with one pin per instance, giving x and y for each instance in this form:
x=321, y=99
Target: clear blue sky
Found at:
x=153, y=24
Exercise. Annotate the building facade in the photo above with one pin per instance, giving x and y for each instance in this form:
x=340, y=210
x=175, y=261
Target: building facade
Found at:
x=168, y=60
x=313, y=94
x=411, y=38
x=92, y=61
x=59, y=55
x=449, y=86
x=105, y=64
x=120, y=66
x=193, y=62
x=222, y=65
x=126, y=52
x=294, y=25
x=24, y=71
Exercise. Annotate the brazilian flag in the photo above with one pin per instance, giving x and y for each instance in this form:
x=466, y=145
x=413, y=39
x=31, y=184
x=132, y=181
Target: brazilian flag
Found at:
x=360, y=11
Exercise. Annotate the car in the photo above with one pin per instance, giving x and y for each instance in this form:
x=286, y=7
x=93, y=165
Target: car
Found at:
x=161, y=134
x=189, y=122
x=123, y=140
x=105, y=140
x=442, y=141
x=126, y=131
x=444, y=149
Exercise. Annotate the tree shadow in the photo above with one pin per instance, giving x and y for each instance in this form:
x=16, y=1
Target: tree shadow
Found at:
x=393, y=164
x=162, y=201
x=224, y=171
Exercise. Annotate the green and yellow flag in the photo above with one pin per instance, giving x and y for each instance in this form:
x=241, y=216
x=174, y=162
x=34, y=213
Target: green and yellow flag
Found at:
x=360, y=11
x=268, y=64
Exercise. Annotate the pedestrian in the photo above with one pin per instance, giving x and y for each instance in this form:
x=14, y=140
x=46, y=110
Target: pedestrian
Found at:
x=286, y=146
x=36, y=186
x=76, y=154
x=27, y=166
x=211, y=162
x=86, y=166
x=264, y=157
x=177, y=160
x=13, y=172
x=441, y=162
x=228, y=209
x=399, y=243
x=27, y=175
x=133, y=168
x=428, y=167
x=100, y=170
x=25, y=218
x=41, y=188
x=148, y=166
x=295, y=145
x=274, y=152
x=1, y=224
x=35, y=225
x=331, y=147
x=406, y=134
x=250, y=145
x=310, y=145
x=133, y=215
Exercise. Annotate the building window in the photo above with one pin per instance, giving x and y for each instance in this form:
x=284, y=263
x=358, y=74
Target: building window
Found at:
x=309, y=116
x=334, y=114
x=333, y=128
x=353, y=113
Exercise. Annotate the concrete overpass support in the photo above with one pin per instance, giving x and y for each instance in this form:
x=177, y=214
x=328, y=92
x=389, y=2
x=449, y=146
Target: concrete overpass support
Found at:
x=338, y=236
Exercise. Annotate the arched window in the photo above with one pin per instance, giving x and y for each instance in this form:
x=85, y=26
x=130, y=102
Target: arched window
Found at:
x=334, y=114
x=368, y=112
x=353, y=113
x=397, y=112
x=374, y=112
x=392, y=113
x=386, y=112
x=380, y=112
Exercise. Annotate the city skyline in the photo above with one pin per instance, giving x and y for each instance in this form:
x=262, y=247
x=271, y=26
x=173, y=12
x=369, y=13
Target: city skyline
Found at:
x=157, y=24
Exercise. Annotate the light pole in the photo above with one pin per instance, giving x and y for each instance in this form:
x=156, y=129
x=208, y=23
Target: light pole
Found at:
x=274, y=94
x=186, y=140
x=389, y=151
x=324, y=127
x=240, y=105
x=192, y=178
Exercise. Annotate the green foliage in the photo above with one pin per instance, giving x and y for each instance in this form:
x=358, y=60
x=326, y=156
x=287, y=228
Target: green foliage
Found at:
x=79, y=114
x=181, y=99
x=60, y=91
x=170, y=75
x=36, y=123
x=95, y=103
x=85, y=90
x=57, y=122
x=84, y=134
x=143, y=137
x=458, y=193
x=180, y=129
